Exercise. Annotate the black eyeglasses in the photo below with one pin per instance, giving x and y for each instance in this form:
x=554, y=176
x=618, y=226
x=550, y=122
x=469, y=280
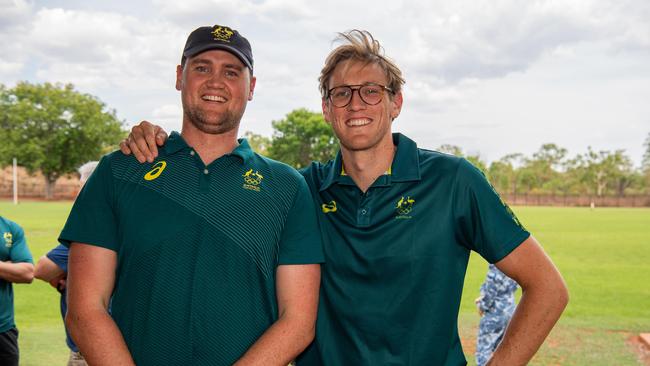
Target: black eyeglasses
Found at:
x=371, y=94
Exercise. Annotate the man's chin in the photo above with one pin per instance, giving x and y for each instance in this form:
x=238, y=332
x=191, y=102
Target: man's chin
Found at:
x=357, y=144
x=215, y=127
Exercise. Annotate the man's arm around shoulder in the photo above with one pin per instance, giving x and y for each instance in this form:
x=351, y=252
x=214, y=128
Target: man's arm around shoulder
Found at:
x=297, y=294
x=91, y=276
x=544, y=297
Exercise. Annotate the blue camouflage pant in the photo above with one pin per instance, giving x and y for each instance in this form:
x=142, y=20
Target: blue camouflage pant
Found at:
x=490, y=332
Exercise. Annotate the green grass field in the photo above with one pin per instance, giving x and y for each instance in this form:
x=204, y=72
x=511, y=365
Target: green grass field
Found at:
x=603, y=254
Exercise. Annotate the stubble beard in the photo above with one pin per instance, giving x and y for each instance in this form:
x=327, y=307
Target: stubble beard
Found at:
x=215, y=124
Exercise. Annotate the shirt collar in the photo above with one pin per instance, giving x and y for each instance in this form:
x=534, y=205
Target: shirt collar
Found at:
x=405, y=166
x=176, y=143
x=406, y=163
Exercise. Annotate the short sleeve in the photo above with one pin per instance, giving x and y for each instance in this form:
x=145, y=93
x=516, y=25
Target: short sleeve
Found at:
x=19, y=251
x=92, y=218
x=59, y=255
x=301, y=239
x=483, y=221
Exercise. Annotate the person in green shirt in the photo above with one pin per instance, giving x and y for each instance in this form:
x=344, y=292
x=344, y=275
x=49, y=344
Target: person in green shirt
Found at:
x=16, y=266
x=398, y=224
x=209, y=255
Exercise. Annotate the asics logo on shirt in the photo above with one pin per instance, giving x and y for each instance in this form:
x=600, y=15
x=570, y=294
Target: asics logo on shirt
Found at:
x=329, y=207
x=156, y=170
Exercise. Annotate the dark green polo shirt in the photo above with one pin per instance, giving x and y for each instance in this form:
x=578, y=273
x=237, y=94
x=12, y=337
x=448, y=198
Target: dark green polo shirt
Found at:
x=197, y=247
x=396, y=257
x=13, y=248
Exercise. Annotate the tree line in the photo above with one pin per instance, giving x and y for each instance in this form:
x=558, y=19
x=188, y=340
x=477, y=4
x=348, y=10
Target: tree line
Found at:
x=303, y=136
x=52, y=128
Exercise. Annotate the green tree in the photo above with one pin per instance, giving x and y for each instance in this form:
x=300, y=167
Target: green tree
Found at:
x=542, y=173
x=605, y=170
x=302, y=137
x=260, y=144
x=645, y=163
x=457, y=151
x=504, y=174
x=54, y=128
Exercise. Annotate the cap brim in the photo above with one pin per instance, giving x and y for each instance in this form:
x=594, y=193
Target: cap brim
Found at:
x=206, y=47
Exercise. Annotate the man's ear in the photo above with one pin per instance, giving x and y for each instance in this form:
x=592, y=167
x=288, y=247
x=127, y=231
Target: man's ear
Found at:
x=252, y=87
x=396, y=105
x=326, y=110
x=179, y=77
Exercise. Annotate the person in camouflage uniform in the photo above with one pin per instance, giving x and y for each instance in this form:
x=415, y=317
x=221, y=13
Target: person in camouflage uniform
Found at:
x=496, y=305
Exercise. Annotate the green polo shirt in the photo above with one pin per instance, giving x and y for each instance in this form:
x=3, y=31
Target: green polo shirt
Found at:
x=197, y=247
x=396, y=257
x=13, y=248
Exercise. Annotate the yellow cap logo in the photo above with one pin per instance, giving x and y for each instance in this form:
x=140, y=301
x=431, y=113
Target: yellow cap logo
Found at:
x=222, y=33
x=8, y=239
x=156, y=171
x=329, y=207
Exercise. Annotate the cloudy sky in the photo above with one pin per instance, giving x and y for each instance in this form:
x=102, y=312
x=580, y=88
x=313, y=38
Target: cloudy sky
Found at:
x=494, y=77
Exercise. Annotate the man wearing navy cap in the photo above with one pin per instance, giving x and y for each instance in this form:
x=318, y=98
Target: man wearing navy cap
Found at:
x=210, y=254
x=398, y=225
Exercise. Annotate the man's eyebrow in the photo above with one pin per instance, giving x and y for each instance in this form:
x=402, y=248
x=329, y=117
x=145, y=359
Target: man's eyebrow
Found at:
x=200, y=61
x=234, y=66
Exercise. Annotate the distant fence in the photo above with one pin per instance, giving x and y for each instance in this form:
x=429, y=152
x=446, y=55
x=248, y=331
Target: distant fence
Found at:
x=33, y=187
x=576, y=200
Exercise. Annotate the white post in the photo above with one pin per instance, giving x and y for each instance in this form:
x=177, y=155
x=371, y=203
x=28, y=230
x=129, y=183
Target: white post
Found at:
x=15, y=181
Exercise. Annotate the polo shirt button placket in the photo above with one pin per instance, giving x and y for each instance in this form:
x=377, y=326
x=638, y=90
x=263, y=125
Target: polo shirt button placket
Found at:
x=363, y=217
x=204, y=181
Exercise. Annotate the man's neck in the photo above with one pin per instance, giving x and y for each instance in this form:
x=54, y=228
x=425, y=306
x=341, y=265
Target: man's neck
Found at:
x=365, y=166
x=210, y=147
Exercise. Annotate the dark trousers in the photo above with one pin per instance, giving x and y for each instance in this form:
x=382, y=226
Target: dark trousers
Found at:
x=9, y=348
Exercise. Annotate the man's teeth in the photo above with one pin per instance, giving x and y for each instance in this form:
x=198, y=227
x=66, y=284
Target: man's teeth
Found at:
x=214, y=98
x=358, y=122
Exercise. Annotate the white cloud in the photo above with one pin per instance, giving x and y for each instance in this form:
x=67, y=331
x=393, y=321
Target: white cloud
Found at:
x=190, y=14
x=9, y=68
x=168, y=113
x=492, y=39
x=454, y=55
x=14, y=12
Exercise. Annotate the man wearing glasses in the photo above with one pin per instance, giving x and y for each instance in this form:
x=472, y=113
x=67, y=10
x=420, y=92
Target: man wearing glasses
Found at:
x=398, y=224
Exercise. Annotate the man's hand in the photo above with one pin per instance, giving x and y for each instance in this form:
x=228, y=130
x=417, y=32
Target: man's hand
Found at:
x=143, y=141
x=49, y=271
x=544, y=297
x=477, y=301
x=297, y=294
x=59, y=285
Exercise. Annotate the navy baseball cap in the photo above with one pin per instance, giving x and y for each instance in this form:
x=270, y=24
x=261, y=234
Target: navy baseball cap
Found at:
x=218, y=37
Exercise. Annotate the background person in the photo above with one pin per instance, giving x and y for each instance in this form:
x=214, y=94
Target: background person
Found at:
x=16, y=266
x=53, y=268
x=496, y=304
